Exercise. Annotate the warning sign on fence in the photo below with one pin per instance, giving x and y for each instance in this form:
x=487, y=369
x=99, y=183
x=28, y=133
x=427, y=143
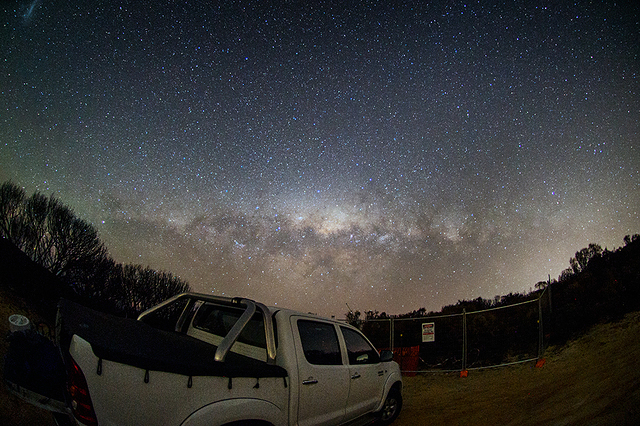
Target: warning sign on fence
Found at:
x=428, y=332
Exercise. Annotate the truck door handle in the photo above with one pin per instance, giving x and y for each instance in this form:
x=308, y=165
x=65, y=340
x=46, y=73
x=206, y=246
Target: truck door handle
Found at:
x=310, y=381
x=355, y=376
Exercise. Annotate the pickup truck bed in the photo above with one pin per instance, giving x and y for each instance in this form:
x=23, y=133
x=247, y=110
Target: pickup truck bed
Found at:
x=138, y=344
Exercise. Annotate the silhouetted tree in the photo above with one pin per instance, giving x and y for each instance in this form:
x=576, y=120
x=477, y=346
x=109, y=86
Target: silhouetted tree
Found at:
x=565, y=274
x=47, y=231
x=51, y=235
x=628, y=239
x=580, y=262
x=12, y=221
x=144, y=288
x=353, y=318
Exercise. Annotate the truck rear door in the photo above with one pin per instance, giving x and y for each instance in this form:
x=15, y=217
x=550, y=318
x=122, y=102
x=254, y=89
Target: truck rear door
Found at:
x=323, y=379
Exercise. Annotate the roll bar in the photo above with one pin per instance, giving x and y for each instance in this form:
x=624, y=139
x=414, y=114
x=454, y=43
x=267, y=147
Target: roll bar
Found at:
x=227, y=342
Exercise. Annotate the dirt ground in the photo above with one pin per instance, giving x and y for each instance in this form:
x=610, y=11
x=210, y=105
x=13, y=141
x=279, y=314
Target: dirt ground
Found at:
x=594, y=380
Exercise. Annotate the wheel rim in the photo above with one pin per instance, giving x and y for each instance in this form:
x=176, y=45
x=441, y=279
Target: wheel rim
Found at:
x=390, y=407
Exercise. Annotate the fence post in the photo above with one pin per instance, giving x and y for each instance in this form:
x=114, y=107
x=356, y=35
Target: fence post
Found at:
x=464, y=339
x=391, y=332
x=548, y=288
x=540, y=331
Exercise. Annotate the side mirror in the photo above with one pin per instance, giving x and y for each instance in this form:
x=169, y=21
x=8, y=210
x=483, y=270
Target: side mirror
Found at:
x=386, y=356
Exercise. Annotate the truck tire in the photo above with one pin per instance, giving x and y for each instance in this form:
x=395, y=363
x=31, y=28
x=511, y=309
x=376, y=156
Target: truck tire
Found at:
x=391, y=407
x=249, y=423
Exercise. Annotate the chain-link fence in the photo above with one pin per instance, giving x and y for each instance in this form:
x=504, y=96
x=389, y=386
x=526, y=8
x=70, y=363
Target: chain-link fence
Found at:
x=499, y=335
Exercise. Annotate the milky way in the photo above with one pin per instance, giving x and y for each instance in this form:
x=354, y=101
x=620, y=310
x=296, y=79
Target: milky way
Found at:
x=387, y=155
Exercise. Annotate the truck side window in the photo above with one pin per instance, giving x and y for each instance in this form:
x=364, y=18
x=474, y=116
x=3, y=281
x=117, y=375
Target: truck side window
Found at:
x=358, y=349
x=319, y=342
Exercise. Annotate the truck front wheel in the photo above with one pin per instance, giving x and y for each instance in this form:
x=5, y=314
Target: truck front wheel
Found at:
x=391, y=407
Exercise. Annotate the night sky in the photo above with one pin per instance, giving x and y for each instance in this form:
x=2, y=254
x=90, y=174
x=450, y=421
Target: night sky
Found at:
x=385, y=155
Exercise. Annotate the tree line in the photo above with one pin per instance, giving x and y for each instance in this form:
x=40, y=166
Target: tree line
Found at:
x=599, y=285
x=51, y=235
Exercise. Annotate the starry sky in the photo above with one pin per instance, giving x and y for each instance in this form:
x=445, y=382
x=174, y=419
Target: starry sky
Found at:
x=385, y=155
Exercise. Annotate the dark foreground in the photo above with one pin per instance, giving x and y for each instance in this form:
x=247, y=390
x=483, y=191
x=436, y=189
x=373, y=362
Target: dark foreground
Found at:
x=594, y=380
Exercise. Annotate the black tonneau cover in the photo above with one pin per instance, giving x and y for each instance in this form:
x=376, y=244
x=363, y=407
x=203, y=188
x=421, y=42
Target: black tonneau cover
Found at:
x=136, y=343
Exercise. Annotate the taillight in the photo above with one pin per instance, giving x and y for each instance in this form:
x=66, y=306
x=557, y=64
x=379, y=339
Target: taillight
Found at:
x=79, y=394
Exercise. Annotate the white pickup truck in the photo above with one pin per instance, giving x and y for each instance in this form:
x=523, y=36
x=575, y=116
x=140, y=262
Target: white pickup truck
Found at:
x=223, y=361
